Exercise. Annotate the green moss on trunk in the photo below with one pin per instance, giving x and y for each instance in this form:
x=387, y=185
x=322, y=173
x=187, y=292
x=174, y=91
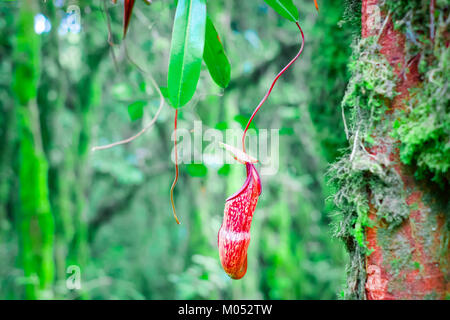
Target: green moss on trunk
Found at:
x=398, y=129
x=36, y=226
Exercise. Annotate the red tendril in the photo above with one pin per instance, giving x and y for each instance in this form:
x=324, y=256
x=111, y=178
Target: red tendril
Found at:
x=176, y=169
x=317, y=6
x=273, y=84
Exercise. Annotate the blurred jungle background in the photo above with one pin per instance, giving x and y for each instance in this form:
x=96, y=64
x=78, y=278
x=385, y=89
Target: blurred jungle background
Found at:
x=108, y=212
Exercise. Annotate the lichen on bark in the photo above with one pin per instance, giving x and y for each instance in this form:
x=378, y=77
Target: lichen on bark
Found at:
x=363, y=178
x=396, y=105
x=424, y=126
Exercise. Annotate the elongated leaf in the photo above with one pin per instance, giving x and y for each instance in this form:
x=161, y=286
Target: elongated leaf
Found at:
x=128, y=9
x=188, y=39
x=214, y=56
x=164, y=92
x=224, y=170
x=285, y=8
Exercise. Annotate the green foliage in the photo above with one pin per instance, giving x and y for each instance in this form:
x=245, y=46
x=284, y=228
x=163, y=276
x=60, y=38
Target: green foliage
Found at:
x=367, y=182
x=26, y=58
x=359, y=180
x=197, y=170
x=214, y=56
x=328, y=77
x=136, y=110
x=243, y=120
x=352, y=16
x=125, y=173
x=285, y=8
x=224, y=170
x=111, y=207
x=424, y=127
x=413, y=18
x=188, y=39
x=35, y=218
x=371, y=86
x=364, y=180
x=207, y=283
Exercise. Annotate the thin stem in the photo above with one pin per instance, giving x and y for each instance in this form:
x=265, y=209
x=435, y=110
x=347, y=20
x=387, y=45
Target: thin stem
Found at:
x=432, y=8
x=345, y=121
x=176, y=169
x=355, y=143
x=152, y=122
x=149, y=125
x=273, y=84
x=110, y=38
x=316, y=5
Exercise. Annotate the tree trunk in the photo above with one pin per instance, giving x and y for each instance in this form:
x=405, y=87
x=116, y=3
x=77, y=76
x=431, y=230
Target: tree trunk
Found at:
x=408, y=262
x=395, y=210
x=35, y=220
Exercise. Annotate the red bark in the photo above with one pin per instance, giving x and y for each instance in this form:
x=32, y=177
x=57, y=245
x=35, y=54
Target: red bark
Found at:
x=409, y=261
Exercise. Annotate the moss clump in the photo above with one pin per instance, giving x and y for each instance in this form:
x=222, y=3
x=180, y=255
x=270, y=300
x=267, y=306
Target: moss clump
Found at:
x=370, y=89
x=366, y=178
x=352, y=15
x=424, y=128
x=368, y=94
x=362, y=179
x=412, y=18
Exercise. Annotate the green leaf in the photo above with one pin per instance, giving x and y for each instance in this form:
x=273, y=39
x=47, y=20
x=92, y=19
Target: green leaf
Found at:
x=136, y=110
x=285, y=8
x=242, y=120
x=164, y=92
x=142, y=86
x=188, y=39
x=214, y=56
x=222, y=125
x=286, y=131
x=369, y=139
x=197, y=170
x=224, y=170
